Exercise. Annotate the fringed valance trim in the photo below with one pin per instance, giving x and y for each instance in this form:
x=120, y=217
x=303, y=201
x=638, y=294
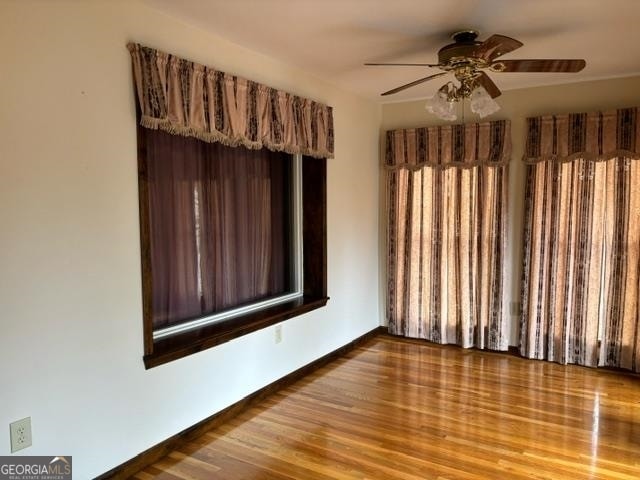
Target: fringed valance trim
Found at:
x=462, y=165
x=449, y=146
x=584, y=156
x=185, y=98
x=594, y=136
x=217, y=137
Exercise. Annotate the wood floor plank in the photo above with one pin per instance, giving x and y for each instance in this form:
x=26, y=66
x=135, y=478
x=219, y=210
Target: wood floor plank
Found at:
x=396, y=409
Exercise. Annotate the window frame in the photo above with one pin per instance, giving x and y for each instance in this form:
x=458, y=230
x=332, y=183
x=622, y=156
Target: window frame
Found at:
x=158, y=351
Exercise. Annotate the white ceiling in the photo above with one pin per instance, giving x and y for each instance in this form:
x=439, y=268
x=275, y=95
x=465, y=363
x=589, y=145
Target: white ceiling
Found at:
x=333, y=38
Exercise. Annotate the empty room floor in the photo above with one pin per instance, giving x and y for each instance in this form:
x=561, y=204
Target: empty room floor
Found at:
x=399, y=409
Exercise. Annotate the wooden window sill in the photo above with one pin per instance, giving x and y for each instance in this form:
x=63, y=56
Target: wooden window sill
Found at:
x=193, y=341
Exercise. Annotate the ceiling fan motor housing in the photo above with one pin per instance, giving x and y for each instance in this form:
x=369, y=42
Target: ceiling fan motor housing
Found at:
x=464, y=45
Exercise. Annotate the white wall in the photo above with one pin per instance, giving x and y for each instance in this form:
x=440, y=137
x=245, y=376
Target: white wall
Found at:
x=70, y=291
x=517, y=105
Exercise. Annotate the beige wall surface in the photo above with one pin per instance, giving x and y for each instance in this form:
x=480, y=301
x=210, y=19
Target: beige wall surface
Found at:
x=70, y=291
x=517, y=105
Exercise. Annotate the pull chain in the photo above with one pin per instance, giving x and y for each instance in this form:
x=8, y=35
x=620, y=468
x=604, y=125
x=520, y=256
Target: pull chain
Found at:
x=462, y=109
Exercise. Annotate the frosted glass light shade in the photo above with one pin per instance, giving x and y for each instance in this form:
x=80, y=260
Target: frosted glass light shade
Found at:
x=482, y=103
x=441, y=107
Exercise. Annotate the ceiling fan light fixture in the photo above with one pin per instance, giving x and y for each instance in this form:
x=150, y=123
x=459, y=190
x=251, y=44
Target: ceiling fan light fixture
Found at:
x=482, y=104
x=467, y=58
x=441, y=104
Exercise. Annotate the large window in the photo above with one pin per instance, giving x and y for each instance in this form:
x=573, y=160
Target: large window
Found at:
x=233, y=240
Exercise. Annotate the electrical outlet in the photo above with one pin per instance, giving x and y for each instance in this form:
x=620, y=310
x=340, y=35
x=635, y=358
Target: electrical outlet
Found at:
x=278, y=331
x=20, y=434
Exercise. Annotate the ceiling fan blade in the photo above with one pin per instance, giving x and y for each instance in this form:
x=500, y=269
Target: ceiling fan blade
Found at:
x=404, y=64
x=495, y=46
x=538, y=65
x=485, y=82
x=415, y=82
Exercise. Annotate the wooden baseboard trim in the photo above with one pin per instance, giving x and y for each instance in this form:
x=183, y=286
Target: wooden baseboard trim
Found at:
x=512, y=350
x=155, y=453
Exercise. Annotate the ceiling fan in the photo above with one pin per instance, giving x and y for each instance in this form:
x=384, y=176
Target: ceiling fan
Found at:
x=467, y=58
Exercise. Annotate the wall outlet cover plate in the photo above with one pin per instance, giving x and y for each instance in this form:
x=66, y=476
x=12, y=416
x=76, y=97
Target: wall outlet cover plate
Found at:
x=20, y=432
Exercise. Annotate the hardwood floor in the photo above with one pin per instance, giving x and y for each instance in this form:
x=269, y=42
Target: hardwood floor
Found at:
x=395, y=409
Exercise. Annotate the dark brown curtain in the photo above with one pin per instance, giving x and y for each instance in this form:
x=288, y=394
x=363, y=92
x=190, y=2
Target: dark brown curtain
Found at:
x=219, y=226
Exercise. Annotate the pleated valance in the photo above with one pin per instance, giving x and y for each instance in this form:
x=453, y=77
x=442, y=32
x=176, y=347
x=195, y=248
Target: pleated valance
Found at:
x=186, y=98
x=591, y=136
x=466, y=146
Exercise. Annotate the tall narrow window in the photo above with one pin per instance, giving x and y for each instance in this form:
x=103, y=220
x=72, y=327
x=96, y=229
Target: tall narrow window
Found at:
x=447, y=209
x=581, y=239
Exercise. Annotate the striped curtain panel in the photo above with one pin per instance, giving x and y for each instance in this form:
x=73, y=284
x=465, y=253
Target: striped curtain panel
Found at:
x=621, y=328
x=447, y=189
x=581, y=240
